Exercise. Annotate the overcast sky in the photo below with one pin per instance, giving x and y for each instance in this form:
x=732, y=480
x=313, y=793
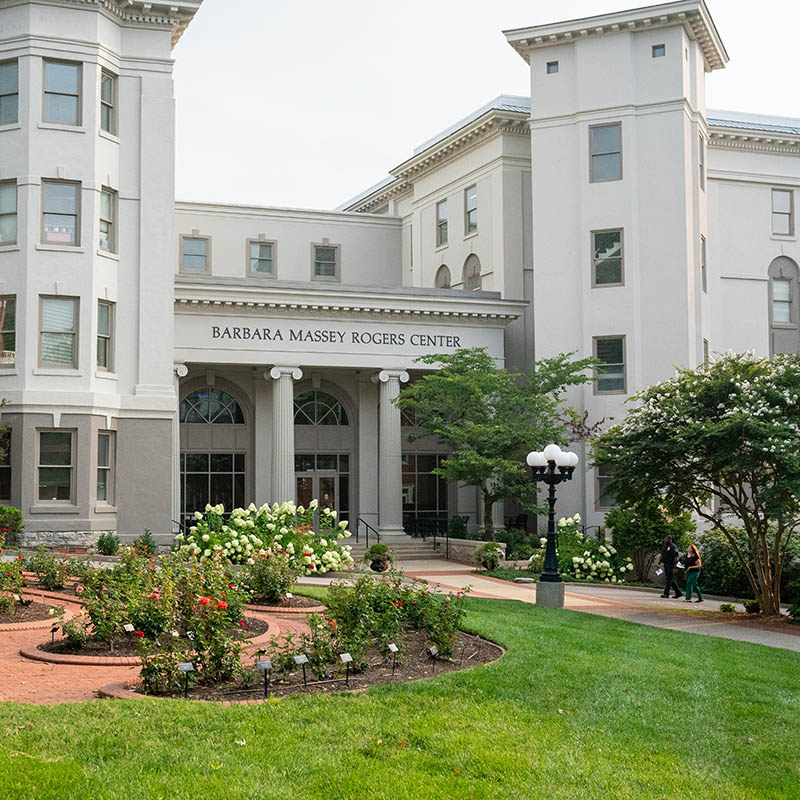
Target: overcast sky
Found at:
x=305, y=103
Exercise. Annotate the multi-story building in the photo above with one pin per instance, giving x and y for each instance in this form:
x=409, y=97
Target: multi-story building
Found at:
x=157, y=356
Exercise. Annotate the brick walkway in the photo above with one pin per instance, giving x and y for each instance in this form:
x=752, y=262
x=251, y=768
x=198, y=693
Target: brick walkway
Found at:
x=26, y=681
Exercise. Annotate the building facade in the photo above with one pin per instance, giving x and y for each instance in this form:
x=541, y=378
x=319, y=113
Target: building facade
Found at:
x=157, y=356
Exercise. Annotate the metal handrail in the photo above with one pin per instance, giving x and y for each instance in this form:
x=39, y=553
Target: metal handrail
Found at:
x=369, y=528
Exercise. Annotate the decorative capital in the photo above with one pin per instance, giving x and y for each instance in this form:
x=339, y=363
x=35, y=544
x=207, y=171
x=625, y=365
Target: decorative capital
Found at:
x=386, y=375
x=278, y=371
x=181, y=370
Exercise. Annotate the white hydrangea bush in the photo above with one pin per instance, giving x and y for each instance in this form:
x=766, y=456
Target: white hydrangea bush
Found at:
x=249, y=533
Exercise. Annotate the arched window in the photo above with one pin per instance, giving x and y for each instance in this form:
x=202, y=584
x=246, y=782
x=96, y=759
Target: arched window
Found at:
x=784, y=306
x=211, y=406
x=318, y=408
x=443, y=277
x=472, y=274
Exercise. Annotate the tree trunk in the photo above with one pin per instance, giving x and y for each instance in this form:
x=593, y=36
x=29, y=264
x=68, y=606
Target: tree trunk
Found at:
x=488, y=521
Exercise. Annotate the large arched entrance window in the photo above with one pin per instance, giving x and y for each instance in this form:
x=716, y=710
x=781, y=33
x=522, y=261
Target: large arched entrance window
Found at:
x=324, y=450
x=472, y=274
x=784, y=306
x=443, y=277
x=215, y=450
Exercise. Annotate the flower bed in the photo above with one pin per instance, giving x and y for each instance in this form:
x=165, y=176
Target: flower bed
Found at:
x=25, y=614
x=250, y=533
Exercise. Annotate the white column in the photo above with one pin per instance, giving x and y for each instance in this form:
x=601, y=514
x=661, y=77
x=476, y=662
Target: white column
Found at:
x=179, y=371
x=283, y=483
x=390, y=447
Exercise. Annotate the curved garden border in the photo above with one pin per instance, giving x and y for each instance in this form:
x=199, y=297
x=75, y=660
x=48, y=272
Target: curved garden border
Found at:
x=40, y=624
x=283, y=610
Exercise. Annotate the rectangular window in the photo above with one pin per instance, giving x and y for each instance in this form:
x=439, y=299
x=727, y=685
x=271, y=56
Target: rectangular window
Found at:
x=108, y=215
x=260, y=257
x=8, y=330
x=604, y=498
x=60, y=212
x=56, y=464
x=659, y=50
x=441, y=223
x=605, y=148
x=610, y=372
x=9, y=93
x=471, y=209
x=701, y=146
x=5, y=467
x=552, y=67
x=105, y=467
x=703, y=263
x=425, y=495
x=783, y=212
x=782, y=301
x=194, y=254
x=326, y=262
x=607, y=258
x=105, y=335
x=59, y=332
x=108, y=102
x=62, y=92
x=8, y=212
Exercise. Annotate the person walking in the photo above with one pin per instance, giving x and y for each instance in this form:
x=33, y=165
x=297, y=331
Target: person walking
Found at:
x=693, y=565
x=668, y=559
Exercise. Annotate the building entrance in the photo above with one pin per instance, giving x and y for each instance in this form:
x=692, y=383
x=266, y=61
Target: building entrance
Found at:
x=326, y=477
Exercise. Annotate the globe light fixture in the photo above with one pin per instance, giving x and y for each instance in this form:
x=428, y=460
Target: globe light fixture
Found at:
x=551, y=467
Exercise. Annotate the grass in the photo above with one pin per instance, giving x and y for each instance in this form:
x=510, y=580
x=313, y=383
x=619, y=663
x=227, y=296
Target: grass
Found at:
x=580, y=707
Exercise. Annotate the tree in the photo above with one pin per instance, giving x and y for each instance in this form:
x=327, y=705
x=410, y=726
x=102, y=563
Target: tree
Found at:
x=724, y=441
x=490, y=418
x=639, y=531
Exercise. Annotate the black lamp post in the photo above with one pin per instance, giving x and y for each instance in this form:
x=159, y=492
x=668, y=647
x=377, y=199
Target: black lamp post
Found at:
x=551, y=467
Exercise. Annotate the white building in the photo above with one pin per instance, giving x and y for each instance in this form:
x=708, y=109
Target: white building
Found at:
x=156, y=355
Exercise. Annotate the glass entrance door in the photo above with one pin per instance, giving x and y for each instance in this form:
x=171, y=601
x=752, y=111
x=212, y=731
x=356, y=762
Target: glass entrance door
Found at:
x=326, y=477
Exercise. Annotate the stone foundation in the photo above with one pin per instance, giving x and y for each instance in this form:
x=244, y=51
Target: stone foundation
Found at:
x=85, y=540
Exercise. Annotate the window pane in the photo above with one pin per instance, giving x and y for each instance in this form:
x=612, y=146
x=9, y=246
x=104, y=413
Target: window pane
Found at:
x=344, y=463
x=55, y=448
x=609, y=270
x=605, y=139
x=196, y=492
x=60, y=229
x=606, y=167
x=61, y=108
x=607, y=244
x=780, y=224
x=441, y=211
x=781, y=312
x=58, y=315
x=426, y=463
x=222, y=462
x=104, y=319
x=8, y=198
x=102, y=485
x=609, y=350
x=57, y=349
x=106, y=116
x=60, y=198
x=238, y=462
x=326, y=254
x=55, y=483
x=260, y=250
x=107, y=88
x=8, y=349
x=427, y=492
x=222, y=490
x=194, y=262
x=102, y=352
x=610, y=379
x=61, y=77
x=472, y=197
x=8, y=228
x=195, y=247
x=782, y=201
x=9, y=80
x=107, y=205
x=9, y=109
x=781, y=289
x=325, y=270
x=197, y=462
x=8, y=309
x=103, y=450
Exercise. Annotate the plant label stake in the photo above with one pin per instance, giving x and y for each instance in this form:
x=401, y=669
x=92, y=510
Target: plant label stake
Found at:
x=186, y=667
x=433, y=651
x=53, y=632
x=266, y=667
x=302, y=660
x=128, y=628
x=393, y=650
x=175, y=634
x=289, y=597
x=346, y=659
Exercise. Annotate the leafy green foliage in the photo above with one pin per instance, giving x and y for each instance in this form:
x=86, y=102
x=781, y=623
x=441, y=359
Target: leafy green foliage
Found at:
x=490, y=418
x=271, y=576
x=10, y=523
x=108, y=544
x=639, y=530
x=488, y=556
x=51, y=573
x=724, y=441
x=146, y=542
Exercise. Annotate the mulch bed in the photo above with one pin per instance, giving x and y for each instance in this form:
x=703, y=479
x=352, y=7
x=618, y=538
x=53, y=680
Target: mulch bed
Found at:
x=32, y=613
x=413, y=663
x=127, y=646
x=297, y=601
x=782, y=624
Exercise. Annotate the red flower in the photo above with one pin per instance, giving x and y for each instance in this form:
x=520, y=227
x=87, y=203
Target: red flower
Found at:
x=243, y=624
x=19, y=558
x=204, y=601
x=222, y=604
x=399, y=603
x=231, y=586
x=154, y=595
x=140, y=634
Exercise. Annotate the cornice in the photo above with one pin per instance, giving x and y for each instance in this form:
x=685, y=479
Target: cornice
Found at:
x=490, y=124
x=691, y=14
x=173, y=14
x=758, y=141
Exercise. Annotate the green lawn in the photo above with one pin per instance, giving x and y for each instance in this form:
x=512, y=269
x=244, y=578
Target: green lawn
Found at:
x=580, y=707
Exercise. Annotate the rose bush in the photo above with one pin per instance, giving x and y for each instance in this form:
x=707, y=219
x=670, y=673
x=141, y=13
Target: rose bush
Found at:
x=248, y=532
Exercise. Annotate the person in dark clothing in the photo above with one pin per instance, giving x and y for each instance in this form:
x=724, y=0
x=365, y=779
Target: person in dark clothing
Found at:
x=668, y=559
x=693, y=566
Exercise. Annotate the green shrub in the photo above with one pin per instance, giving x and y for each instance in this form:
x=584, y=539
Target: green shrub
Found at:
x=108, y=544
x=76, y=632
x=51, y=573
x=10, y=524
x=457, y=528
x=378, y=552
x=727, y=608
x=588, y=559
x=146, y=542
x=522, y=552
x=794, y=607
x=752, y=606
x=271, y=576
x=488, y=556
x=11, y=579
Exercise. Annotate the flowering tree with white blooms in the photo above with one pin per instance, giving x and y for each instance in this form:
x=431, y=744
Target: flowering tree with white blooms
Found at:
x=724, y=441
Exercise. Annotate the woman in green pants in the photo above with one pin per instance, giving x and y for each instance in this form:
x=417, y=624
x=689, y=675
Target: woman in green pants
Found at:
x=693, y=565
